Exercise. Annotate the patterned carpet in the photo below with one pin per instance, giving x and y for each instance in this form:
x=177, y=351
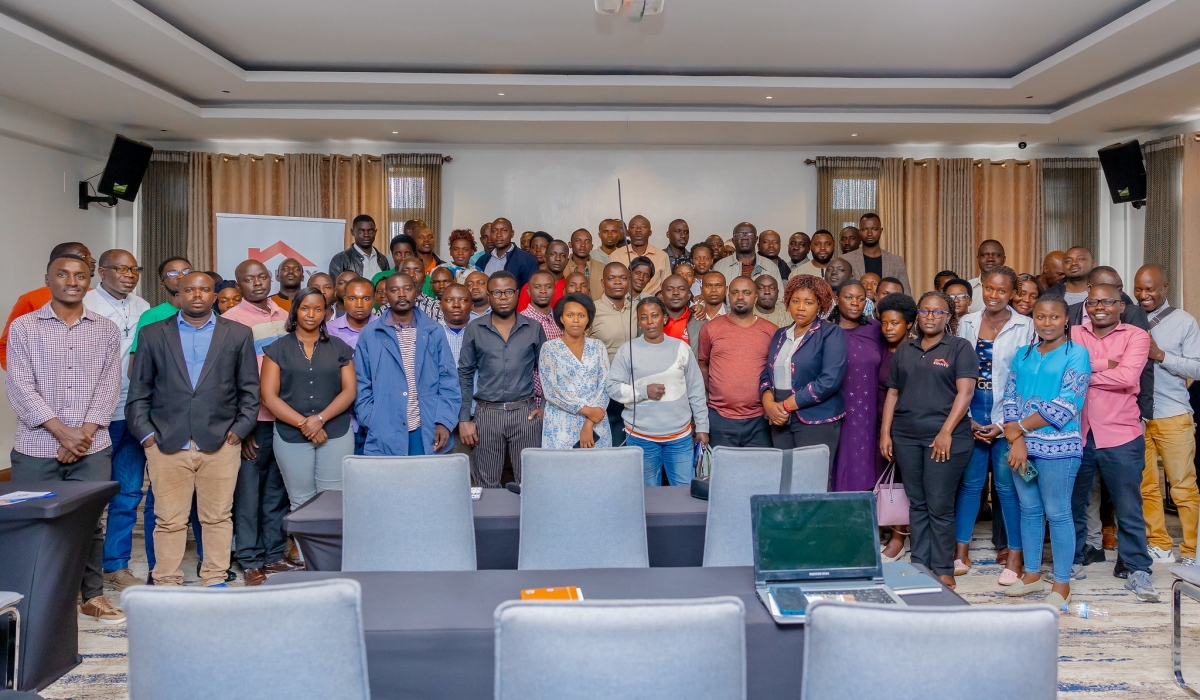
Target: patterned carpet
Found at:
x=1128, y=658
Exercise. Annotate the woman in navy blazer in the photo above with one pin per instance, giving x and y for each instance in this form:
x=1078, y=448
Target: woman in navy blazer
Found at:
x=801, y=384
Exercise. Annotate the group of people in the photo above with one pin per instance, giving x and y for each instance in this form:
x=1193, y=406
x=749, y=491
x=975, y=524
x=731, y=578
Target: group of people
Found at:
x=240, y=404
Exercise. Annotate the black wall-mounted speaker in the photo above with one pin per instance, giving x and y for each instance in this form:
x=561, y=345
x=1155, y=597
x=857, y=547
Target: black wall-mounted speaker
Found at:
x=126, y=166
x=1124, y=171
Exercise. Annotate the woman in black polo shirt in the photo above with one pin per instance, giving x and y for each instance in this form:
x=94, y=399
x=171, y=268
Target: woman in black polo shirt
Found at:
x=925, y=428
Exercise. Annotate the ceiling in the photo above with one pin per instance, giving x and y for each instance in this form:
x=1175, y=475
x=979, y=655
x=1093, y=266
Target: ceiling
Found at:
x=705, y=72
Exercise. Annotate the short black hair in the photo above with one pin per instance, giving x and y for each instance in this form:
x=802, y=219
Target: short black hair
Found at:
x=579, y=298
x=959, y=281
x=403, y=238
x=69, y=256
x=163, y=265
x=64, y=249
x=502, y=275
x=900, y=303
x=652, y=300
x=891, y=280
x=701, y=244
x=642, y=260
x=869, y=215
x=543, y=235
x=361, y=218
x=1102, y=269
x=945, y=273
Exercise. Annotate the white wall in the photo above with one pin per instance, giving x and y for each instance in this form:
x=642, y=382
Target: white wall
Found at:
x=39, y=209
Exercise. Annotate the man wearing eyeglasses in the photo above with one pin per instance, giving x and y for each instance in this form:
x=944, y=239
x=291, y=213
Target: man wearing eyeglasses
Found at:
x=114, y=299
x=1111, y=424
x=35, y=299
x=495, y=368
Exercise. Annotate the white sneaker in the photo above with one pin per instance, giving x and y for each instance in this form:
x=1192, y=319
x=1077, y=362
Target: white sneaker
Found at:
x=1187, y=561
x=1161, y=556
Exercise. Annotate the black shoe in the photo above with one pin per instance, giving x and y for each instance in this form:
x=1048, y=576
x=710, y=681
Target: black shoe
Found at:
x=1092, y=555
x=230, y=576
x=1120, y=570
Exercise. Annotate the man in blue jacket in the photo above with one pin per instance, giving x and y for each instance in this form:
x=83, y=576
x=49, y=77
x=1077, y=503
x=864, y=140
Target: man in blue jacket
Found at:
x=408, y=392
x=507, y=256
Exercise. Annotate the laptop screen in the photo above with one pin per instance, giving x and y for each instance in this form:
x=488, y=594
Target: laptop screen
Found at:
x=815, y=536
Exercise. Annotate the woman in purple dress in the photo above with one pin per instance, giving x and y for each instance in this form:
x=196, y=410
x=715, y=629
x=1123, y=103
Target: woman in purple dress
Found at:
x=855, y=468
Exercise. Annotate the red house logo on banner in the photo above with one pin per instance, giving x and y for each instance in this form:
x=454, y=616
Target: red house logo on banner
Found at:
x=277, y=248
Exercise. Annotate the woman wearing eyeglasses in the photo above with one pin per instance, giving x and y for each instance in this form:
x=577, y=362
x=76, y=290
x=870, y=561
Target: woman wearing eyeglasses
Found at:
x=926, y=428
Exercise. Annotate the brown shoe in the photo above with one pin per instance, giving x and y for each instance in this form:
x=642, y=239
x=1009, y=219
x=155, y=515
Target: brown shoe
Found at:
x=282, y=565
x=100, y=609
x=1109, y=537
x=255, y=577
x=120, y=580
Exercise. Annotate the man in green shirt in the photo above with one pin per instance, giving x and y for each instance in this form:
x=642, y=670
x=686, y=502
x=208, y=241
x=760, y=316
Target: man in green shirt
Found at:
x=170, y=271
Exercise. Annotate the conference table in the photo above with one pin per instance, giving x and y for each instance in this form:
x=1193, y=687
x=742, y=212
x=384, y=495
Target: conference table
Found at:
x=674, y=528
x=43, y=548
x=431, y=634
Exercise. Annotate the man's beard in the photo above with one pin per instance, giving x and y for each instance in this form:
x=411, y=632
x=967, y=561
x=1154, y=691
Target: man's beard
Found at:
x=503, y=314
x=824, y=261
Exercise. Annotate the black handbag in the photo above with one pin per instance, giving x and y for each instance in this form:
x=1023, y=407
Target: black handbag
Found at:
x=700, y=483
x=703, y=468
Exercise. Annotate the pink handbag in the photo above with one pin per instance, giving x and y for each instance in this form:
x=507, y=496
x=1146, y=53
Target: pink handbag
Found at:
x=891, y=502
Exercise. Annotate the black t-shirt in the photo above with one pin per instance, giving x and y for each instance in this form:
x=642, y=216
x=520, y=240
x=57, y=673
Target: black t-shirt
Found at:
x=925, y=380
x=873, y=265
x=308, y=387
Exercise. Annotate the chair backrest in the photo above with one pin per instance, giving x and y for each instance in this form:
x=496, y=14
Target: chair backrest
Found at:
x=407, y=514
x=582, y=509
x=297, y=641
x=737, y=474
x=929, y=647
x=810, y=470
x=614, y=649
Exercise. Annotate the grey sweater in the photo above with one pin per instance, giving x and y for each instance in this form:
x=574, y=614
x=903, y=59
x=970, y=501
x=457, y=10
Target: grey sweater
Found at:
x=670, y=363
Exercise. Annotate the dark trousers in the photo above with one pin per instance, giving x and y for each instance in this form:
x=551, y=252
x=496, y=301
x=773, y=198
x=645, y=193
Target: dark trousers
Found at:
x=932, y=489
x=738, y=432
x=503, y=430
x=1121, y=469
x=616, y=423
x=93, y=467
x=260, y=501
x=797, y=434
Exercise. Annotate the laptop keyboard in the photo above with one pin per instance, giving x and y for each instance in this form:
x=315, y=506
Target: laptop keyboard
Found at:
x=858, y=595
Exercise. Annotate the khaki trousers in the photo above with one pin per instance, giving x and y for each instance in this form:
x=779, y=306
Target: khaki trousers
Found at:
x=174, y=478
x=1174, y=440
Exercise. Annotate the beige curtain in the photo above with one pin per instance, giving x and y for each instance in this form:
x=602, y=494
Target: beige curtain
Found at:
x=249, y=184
x=956, y=216
x=921, y=222
x=846, y=189
x=353, y=185
x=889, y=202
x=1188, y=287
x=1008, y=199
x=164, y=217
x=201, y=241
x=303, y=184
x=1071, y=190
x=1164, y=206
x=414, y=191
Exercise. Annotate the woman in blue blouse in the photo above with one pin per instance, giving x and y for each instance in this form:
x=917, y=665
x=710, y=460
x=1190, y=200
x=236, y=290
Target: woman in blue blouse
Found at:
x=801, y=384
x=1042, y=399
x=574, y=375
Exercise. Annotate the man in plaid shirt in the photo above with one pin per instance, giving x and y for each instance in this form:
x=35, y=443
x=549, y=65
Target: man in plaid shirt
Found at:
x=64, y=380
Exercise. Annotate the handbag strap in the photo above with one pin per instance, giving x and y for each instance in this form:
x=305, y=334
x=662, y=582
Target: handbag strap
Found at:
x=1159, y=318
x=785, y=474
x=889, y=473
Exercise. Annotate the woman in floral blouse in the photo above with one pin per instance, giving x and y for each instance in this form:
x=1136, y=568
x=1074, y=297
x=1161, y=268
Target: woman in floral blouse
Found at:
x=574, y=374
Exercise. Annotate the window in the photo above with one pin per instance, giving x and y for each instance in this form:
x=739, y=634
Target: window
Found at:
x=846, y=189
x=853, y=194
x=405, y=193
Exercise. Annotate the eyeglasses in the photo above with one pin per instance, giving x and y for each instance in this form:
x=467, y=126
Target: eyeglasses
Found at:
x=959, y=297
x=173, y=274
x=1106, y=303
x=936, y=313
x=502, y=293
x=122, y=269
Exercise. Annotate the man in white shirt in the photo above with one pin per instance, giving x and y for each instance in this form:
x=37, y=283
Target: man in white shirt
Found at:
x=989, y=256
x=114, y=299
x=1171, y=434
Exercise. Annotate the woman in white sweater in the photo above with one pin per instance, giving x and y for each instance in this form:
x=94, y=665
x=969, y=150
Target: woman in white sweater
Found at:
x=658, y=380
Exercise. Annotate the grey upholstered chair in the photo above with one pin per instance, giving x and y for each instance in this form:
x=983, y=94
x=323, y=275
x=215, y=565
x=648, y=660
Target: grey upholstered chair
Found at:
x=297, y=641
x=407, y=514
x=614, y=649
x=8, y=607
x=736, y=475
x=930, y=647
x=810, y=470
x=582, y=509
x=1187, y=583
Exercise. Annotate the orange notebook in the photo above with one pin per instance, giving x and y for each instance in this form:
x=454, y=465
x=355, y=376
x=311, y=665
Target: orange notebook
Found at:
x=556, y=593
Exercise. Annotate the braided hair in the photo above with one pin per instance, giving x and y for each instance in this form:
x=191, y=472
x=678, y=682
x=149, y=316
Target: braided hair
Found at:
x=952, y=322
x=835, y=314
x=1052, y=299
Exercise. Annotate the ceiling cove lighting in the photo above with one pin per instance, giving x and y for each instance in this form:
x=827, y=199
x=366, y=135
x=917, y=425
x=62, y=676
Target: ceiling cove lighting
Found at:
x=634, y=9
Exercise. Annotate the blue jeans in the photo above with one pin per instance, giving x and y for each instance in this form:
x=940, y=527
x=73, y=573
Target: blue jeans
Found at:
x=966, y=508
x=360, y=439
x=675, y=456
x=1048, y=497
x=415, y=446
x=1121, y=469
x=128, y=470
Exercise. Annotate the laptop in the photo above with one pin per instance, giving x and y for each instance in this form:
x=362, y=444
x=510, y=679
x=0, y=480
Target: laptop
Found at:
x=816, y=546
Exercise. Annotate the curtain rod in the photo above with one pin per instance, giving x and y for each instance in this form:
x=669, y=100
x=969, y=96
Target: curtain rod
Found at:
x=977, y=162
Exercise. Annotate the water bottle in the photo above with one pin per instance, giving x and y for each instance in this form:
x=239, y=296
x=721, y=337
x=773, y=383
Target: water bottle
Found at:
x=1088, y=611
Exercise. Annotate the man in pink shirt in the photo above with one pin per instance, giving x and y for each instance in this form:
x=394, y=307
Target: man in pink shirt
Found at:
x=1112, y=427
x=260, y=500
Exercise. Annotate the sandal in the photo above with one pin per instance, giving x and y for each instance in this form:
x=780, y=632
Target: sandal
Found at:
x=961, y=568
x=1008, y=577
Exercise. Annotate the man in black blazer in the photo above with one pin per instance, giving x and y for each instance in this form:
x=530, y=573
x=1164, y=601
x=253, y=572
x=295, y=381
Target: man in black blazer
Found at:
x=193, y=397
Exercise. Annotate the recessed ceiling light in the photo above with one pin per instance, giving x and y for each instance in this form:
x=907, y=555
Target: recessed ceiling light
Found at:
x=500, y=94
x=395, y=132
x=225, y=91
x=854, y=134
x=769, y=97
